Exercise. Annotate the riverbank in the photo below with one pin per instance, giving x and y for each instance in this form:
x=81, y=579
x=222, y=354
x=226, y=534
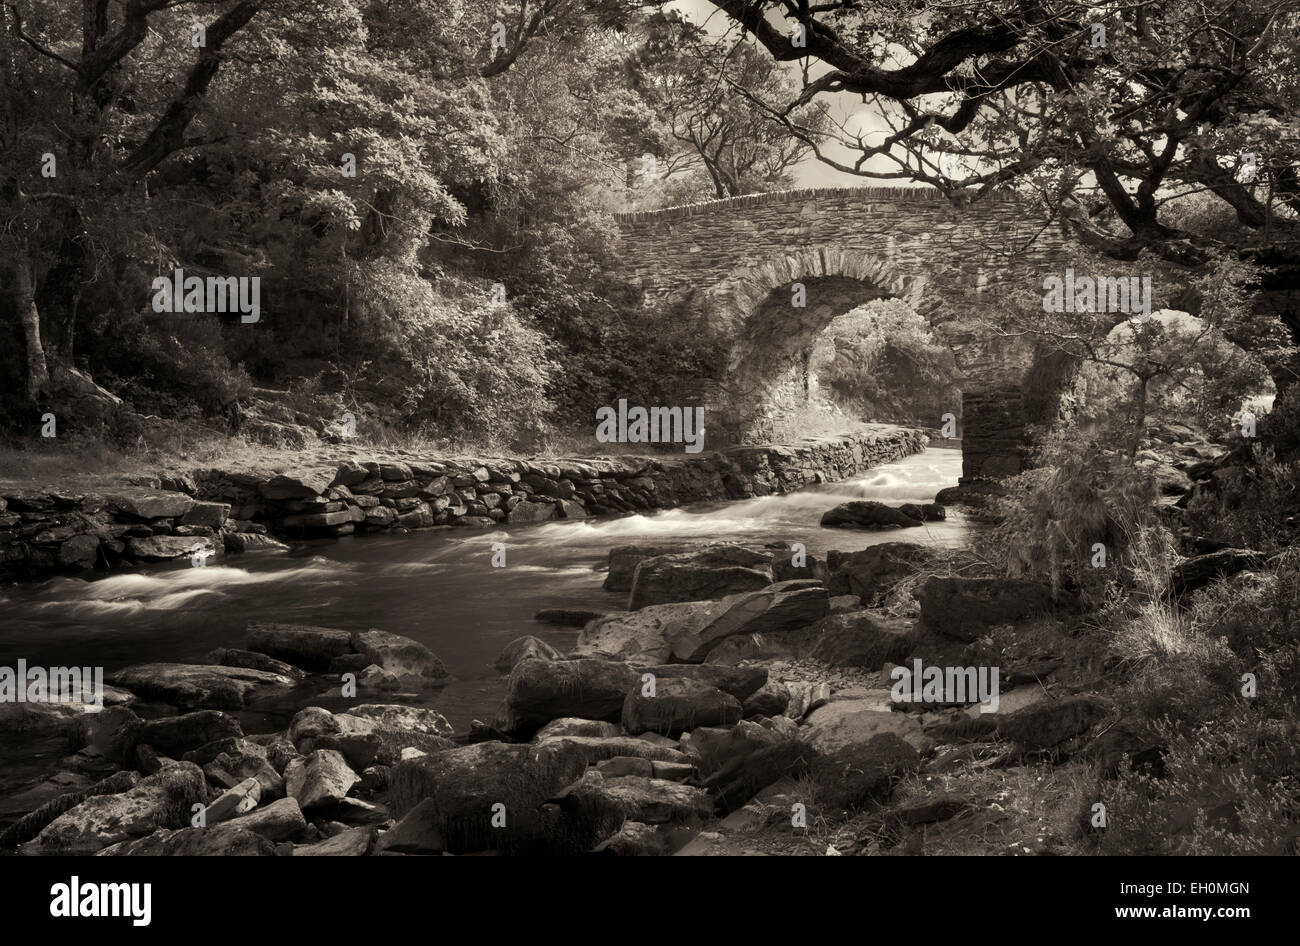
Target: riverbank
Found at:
x=202, y=514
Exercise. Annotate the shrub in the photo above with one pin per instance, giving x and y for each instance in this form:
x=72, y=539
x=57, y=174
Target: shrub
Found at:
x=1252, y=505
x=1228, y=788
x=1053, y=515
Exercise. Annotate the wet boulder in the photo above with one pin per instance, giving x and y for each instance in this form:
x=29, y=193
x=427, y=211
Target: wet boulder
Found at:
x=250, y=660
x=875, y=571
x=701, y=575
x=542, y=690
x=400, y=716
x=860, y=639
x=321, y=778
x=524, y=647
x=163, y=800
x=676, y=705
x=215, y=841
x=779, y=607
x=740, y=682
x=408, y=660
x=200, y=686
x=624, y=559
x=176, y=735
x=867, y=514
x=312, y=648
x=640, y=636
x=463, y=785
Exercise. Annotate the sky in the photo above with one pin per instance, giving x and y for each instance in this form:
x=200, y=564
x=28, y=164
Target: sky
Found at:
x=812, y=172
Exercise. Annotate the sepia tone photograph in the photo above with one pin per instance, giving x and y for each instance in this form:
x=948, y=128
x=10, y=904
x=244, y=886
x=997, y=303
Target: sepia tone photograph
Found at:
x=558, y=428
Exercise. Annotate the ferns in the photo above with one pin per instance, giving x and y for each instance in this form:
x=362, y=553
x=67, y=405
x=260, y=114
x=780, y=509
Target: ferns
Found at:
x=1055, y=517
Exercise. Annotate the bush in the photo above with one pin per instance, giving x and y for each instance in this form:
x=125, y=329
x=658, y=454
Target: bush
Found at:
x=1227, y=788
x=1055, y=514
x=1250, y=506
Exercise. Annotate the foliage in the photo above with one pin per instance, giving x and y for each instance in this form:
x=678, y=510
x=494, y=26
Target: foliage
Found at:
x=1053, y=515
x=882, y=362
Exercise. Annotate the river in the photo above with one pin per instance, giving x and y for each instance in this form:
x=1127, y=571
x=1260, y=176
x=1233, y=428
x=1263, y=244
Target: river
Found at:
x=439, y=587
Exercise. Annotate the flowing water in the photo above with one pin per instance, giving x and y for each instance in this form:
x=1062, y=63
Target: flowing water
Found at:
x=437, y=587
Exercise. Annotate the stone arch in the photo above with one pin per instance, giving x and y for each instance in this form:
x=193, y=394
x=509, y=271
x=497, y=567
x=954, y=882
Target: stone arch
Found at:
x=754, y=303
x=746, y=287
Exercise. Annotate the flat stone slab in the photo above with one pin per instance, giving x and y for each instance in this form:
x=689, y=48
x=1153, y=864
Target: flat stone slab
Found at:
x=197, y=685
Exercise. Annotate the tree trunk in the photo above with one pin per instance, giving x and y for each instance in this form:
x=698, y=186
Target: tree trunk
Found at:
x=22, y=293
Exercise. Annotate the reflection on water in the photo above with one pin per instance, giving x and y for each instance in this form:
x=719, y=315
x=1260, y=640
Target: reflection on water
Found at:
x=437, y=587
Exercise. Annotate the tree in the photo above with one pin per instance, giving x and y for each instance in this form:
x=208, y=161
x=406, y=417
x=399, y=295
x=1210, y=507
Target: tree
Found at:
x=120, y=124
x=693, y=84
x=1111, y=113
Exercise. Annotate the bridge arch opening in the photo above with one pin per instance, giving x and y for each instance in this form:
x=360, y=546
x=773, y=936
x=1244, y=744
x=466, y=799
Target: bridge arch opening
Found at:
x=777, y=309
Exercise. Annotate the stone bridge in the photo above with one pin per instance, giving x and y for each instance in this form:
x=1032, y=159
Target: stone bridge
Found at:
x=737, y=260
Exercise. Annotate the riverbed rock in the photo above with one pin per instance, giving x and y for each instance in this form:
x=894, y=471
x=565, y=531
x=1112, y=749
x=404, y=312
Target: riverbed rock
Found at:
x=31, y=824
x=407, y=659
x=853, y=774
x=237, y=800
x=251, y=660
x=281, y=820
x=521, y=648
x=216, y=841
x=779, y=607
x=678, y=704
x=965, y=608
x=624, y=559
x=635, y=798
x=352, y=842
x=573, y=726
x=176, y=735
x=382, y=746
x=740, y=682
x=875, y=571
x=399, y=716
x=769, y=700
x=542, y=690
x=740, y=761
x=321, y=778
x=867, y=514
x=1048, y=723
x=464, y=784
x=702, y=575
x=163, y=800
x=420, y=832
x=643, y=636
x=596, y=749
x=199, y=685
x=311, y=648
x=310, y=722
x=861, y=639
